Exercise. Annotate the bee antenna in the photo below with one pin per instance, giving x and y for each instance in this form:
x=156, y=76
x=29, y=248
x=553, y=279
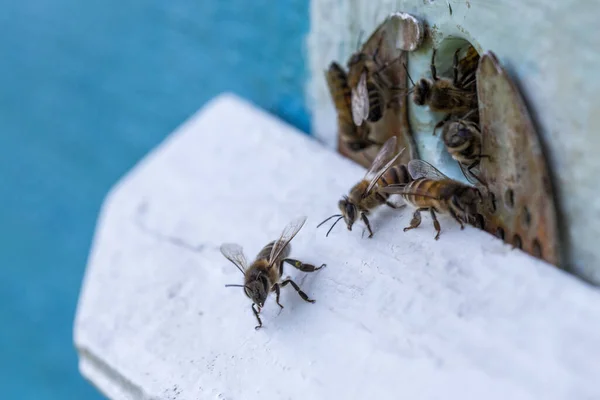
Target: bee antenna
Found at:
x=408, y=74
x=467, y=115
x=336, y=221
x=360, y=35
x=333, y=216
x=234, y=285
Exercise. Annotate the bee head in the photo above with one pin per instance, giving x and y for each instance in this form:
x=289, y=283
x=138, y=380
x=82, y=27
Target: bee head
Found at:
x=456, y=134
x=257, y=290
x=349, y=211
x=422, y=92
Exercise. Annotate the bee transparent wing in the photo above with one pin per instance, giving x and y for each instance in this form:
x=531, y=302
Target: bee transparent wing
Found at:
x=422, y=169
x=468, y=174
x=234, y=253
x=286, y=237
x=382, y=157
x=402, y=189
x=397, y=188
x=360, y=101
x=382, y=171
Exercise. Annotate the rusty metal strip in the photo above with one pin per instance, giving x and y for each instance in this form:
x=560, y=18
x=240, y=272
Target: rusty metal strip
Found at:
x=520, y=207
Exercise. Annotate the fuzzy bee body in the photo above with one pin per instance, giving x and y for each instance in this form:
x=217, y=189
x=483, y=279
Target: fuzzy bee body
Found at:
x=463, y=141
x=366, y=84
x=434, y=192
x=443, y=96
x=263, y=276
x=261, y=267
x=455, y=97
x=372, y=88
x=356, y=137
x=397, y=174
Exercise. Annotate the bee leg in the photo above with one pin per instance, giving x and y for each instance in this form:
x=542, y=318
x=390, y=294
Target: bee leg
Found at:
x=433, y=70
x=257, y=327
x=467, y=80
x=366, y=221
x=277, y=292
x=436, y=224
x=376, y=52
x=416, y=219
x=441, y=123
x=470, y=167
x=384, y=200
x=462, y=226
x=301, y=266
x=295, y=286
x=455, y=67
x=469, y=83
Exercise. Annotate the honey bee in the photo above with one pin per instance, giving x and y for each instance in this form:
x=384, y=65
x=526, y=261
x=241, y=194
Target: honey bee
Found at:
x=454, y=97
x=463, y=141
x=368, y=83
x=355, y=137
x=434, y=192
x=365, y=195
x=263, y=276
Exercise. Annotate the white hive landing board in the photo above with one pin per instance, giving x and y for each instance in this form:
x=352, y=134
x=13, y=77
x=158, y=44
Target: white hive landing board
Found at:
x=399, y=316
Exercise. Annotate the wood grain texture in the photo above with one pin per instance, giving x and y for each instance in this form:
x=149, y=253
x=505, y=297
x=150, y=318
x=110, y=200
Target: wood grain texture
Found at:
x=551, y=49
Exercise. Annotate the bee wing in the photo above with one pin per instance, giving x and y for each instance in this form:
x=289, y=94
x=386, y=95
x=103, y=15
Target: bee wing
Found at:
x=286, y=236
x=234, y=253
x=401, y=189
x=382, y=157
x=397, y=188
x=468, y=174
x=422, y=169
x=382, y=171
x=360, y=101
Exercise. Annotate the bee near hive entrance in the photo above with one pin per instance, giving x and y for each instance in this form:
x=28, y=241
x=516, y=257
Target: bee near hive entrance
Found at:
x=443, y=105
x=369, y=96
x=449, y=101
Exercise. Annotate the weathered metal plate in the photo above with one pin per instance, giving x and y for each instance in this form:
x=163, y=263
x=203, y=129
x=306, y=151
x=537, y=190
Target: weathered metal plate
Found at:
x=397, y=33
x=520, y=207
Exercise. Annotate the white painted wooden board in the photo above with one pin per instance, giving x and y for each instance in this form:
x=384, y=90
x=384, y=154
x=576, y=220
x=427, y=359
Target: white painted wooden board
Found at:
x=399, y=316
x=551, y=48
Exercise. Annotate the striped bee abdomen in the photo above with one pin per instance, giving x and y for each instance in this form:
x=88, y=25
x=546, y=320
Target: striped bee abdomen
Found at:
x=398, y=174
x=429, y=196
x=375, y=103
x=337, y=81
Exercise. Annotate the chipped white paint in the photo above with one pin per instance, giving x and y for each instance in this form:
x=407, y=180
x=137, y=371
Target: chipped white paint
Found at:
x=550, y=47
x=399, y=316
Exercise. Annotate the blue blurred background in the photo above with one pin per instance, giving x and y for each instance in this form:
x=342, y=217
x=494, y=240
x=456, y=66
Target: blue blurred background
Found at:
x=86, y=89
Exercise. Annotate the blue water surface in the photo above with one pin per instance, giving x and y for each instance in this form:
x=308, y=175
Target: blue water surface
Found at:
x=86, y=89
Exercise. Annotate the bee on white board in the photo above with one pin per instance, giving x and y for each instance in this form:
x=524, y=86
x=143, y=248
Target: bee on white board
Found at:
x=366, y=195
x=263, y=276
x=433, y=191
